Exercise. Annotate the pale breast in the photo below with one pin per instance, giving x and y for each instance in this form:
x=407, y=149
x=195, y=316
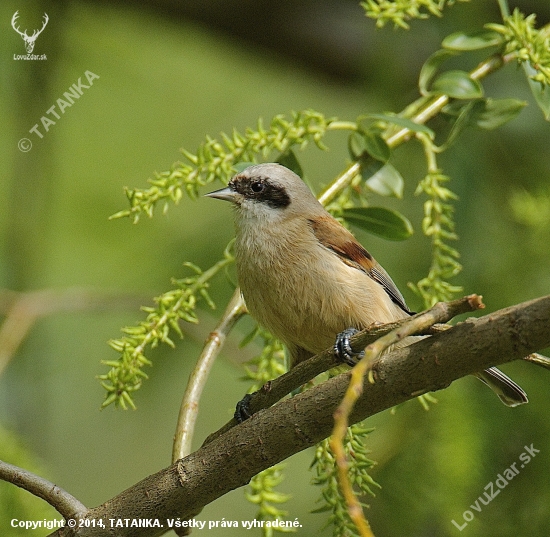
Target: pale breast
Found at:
x=305, y=300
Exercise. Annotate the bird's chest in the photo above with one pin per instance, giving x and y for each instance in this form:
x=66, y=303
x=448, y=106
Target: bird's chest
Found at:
x=274, y=278
x=289, y=288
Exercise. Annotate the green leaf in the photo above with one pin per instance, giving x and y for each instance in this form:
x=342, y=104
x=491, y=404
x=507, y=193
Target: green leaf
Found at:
x=403, y=122
x=541, y=94
x=430, y=68
x=463, y=113
x=458, y=85
x=492, y=113
x=377, y=147
x=380, y=221
x=360, y=143
x=462, y=41
x=483, y=113
x=356, y=146
x=386, y=181
x=290, y=161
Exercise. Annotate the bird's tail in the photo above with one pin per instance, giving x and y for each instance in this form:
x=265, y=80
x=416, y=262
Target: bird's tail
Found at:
x=506, y=389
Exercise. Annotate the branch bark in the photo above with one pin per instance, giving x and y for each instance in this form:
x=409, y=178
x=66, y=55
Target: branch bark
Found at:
x=276, y=389
x=292, y=425
x=189, y=409
x=58, y=498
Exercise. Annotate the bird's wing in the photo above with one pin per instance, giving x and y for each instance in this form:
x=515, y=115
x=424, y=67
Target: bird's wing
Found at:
x=332, y=235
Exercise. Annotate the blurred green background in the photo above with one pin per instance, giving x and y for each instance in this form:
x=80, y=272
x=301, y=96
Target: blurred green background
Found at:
x=169, y=74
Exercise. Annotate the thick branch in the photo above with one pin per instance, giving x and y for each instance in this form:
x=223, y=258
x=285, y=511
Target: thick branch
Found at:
x=275, y=390
x=292, y=425
x=410, y=327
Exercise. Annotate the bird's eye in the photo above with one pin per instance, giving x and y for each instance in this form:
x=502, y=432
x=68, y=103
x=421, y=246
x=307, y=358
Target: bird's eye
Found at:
x=257, y=187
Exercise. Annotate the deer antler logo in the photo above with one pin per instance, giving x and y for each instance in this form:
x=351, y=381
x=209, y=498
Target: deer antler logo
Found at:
x=29, y=39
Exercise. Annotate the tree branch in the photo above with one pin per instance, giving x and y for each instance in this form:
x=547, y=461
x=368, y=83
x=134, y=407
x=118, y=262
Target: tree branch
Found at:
x=442, y=311
x=295, y=424
x=58, y=498
x=276, y=389
x=190, y=404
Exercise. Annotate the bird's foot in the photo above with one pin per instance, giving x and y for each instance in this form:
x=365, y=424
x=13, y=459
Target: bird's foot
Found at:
x=242, y=410
x=343, y=350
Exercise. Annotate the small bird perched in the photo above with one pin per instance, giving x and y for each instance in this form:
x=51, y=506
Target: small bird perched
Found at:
x=305, y=277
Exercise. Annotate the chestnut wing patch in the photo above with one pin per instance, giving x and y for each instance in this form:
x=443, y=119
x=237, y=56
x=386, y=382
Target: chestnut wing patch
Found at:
x=337, y=238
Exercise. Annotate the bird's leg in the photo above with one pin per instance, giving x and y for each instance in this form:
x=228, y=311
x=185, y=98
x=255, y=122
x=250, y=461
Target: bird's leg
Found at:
x=242, y=410
x=343, y=350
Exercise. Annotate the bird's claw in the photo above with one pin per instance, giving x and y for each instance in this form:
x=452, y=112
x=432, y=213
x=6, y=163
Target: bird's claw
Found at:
x=343, y=350
x=242, y=409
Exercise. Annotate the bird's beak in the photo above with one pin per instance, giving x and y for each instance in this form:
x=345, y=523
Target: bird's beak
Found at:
x=226, y=194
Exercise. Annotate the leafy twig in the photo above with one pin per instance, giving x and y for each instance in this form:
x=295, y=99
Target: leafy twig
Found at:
x=438, y=224
x=216, y=160
x=262, y=492
x=326, y=471
x=527, y=43
x=126, y=374
x=399, y=12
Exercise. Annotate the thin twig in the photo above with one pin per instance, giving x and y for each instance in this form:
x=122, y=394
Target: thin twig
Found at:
x=538, y=359
x=441, y=312
x=341, y=182
x=190, y=404
x=61, y=500
x=427, y=111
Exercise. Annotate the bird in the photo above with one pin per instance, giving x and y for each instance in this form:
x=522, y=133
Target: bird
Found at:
x=304, y=276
